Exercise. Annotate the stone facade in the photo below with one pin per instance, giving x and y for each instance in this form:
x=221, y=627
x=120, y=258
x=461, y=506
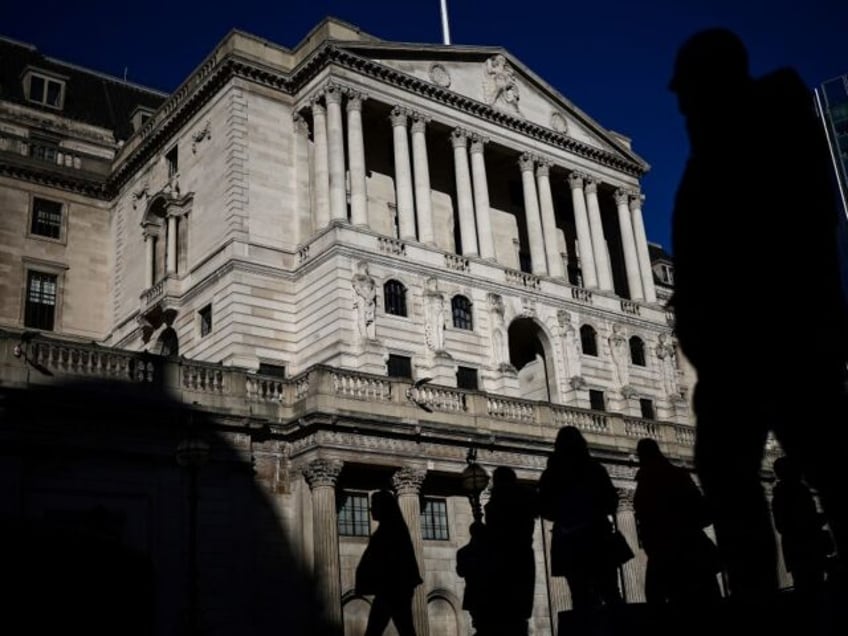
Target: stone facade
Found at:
x=324, y=212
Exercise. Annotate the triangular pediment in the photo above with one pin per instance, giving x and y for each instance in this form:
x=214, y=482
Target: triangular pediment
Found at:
x=492, y=76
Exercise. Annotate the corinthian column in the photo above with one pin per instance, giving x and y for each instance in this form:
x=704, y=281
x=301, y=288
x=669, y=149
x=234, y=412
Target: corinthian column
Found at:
x=407, y=484
x=531, y=211
x=641, y=240
x=628, y=244
x=599, y=243
x=322, y=166
x=549, y=228
x=321, y=475
x=335, y=142
x=421, y=168
x=584, y=236
x=481, y=198
x=634, y=569
x=465, y=202
x=172, y=245
x=403, y=175
x=356, y=158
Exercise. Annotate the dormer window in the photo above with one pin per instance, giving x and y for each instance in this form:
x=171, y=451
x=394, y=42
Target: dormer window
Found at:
x=44, y=89
x=139, y=117
x=173, y=161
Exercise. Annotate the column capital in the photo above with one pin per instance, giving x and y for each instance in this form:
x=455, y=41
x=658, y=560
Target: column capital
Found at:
x=575, y=180
x=621, y=196
x=322, y=472
x=316, y=106
x=459, y=138
x=300, y=125
x=419, y=122
x=625, y=499
x=399, y=116
x=408, y=480
x=543, y=169
x=333, y=93
x=354, y=100
x=478, y=142
x=590, y=185
x=637, y=200
x=526, y=162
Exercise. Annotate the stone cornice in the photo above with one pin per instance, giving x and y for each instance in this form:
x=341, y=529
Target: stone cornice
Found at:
x=43, y=175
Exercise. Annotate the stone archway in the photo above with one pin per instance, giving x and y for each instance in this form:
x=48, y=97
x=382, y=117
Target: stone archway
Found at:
x=532, y=354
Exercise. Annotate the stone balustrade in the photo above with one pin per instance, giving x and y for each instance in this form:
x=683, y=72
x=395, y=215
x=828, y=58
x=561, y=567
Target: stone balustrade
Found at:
x=586, y=421
x=440, y=399
x=522, y=279
x=629, y=307
x=583, y=295
x=90, y=361
x=456, y=262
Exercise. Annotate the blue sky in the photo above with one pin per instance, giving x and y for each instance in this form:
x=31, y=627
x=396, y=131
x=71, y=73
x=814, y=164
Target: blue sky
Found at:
x=611, y=58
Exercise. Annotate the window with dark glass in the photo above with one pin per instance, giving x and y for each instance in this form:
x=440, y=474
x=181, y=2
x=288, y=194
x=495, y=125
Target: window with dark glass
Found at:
x=596, y=400
x=434, y=519
x=44, y=90
x=394, y=298
x=466, y=378
x=637, y=351
x=589, y=340
x=40, y=310
x=461, y=309
x=399, y=366
x=647, y=407
x=46, y=218
x=275, y=370
x=205, y=316
x=354, y=515
x=173, y=160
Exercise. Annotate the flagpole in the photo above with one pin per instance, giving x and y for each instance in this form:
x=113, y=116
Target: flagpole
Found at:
x=445, y=25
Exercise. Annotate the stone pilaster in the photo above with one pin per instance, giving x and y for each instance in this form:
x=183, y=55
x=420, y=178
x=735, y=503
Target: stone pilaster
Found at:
x=356, y=159
x=634, y=569
x=171, y=256
x=628, y=244
x=149, y=259
x=527, y=163
x=481, y=198
x=403, y=175
x=465, y=202
x=321, y=475
x=641, y=241
x=335, y=143
x=549, y=228
x=300, y=160
x=584, y=235
x=599, y=242
x=421, y=170
x=407, y=485
x=321, y=175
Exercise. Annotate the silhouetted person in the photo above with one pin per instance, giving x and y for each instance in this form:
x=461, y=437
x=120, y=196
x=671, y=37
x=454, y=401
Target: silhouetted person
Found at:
x=671, y=516
x=510, y=521
x=388, y=569
x=803, y=537
x=474, y=563
x=754, y=223
x=577, y=494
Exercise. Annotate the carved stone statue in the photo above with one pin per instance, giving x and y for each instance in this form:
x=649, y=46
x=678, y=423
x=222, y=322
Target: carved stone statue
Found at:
x=620, y=353
x=365, y=301
x=434, y=303
x=500, y=343
x=667, y=355
x=500, y=87
x=570, y=347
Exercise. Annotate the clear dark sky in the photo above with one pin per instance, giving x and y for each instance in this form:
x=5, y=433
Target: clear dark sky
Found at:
x=611, y=58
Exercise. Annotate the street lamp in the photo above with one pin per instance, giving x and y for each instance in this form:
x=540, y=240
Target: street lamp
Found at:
x=474, y=481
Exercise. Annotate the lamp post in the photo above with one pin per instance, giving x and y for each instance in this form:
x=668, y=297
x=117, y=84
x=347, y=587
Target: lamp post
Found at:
x=474, y=481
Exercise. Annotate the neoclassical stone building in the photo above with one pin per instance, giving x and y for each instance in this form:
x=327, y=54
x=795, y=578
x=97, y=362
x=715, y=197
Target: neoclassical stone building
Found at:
x=301, y=236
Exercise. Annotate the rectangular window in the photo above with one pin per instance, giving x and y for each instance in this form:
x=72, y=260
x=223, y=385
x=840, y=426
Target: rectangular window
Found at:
x=354, y=515
x=434, y=519
x=399, y=366
x=173, y=160
x=275, y=370
x=205, y=316
x=596, y=400
x=45, y=90
x=40, y=311
x=46, y=218
x=466, y=378
x=647, y=407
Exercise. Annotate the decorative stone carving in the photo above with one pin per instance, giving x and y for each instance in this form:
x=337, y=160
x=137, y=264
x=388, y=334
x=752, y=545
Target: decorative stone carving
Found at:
x=419, y=123
x=591, y=186
x=528, y=307
x=459, y=138
x=439, y=75
x=408, y=480
x=620, y=354
x=500, y=86
x=354, y=100
x=434, y=303
x=322, y=472
x=625, y=499
x=399, y=116
x=575, y=180
x=301, y=127
x=365, y=301
x=526, y=162
x=500, y=341
x=621, y=196
x=477, y=143
x=543, y=169
x=571, y=348
x=333, y=93
x=667, y=355
x=559, y=123
x=143, y=192
x=201, y=135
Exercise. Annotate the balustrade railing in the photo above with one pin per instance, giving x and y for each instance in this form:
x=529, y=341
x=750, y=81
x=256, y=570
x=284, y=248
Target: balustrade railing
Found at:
x=509, y=409
x=203, y=379
x=440, y=399
x=262, y=389
x=641, y=428
x=588, y=421
x=361, y=387
x=71, y=359
x=522, y=279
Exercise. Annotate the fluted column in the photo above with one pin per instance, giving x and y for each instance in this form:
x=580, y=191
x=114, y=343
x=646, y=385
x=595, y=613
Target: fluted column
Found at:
x=335, y=144
x=421, y=170
x=481, y=198
x=321, y=475
x=584, y=236
x=465, y=201
x=644, y=257
x=300, y=160
x=403, y=175
x=599, y=243
x=634, y=569
x=149, y=260
x=322, y=166
x=407, y=484
x=628, y=245
x=531, y=211
x=356, y=159
x=549, y=228
x=172, y=245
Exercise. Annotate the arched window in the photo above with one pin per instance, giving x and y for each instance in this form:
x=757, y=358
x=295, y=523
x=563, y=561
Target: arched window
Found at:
x=394, y=298
x=589, y=340
x=461, y=309
x=637, y=351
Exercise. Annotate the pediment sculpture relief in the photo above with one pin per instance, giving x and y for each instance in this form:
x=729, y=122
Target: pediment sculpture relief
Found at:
x=500, y=85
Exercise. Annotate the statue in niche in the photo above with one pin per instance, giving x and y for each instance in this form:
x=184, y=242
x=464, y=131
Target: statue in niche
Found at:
x=365, y=301
x=500, y=343
x=434, y=303
x=570, y=347
x=667, y=355
x=620, y=353
x=500, y=86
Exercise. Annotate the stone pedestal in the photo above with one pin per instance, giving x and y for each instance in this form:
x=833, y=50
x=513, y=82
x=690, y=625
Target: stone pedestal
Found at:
x=502, y=381
x=442, y=368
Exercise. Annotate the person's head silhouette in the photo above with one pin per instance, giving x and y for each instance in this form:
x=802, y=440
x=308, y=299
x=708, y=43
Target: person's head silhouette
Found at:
x=570, y=444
